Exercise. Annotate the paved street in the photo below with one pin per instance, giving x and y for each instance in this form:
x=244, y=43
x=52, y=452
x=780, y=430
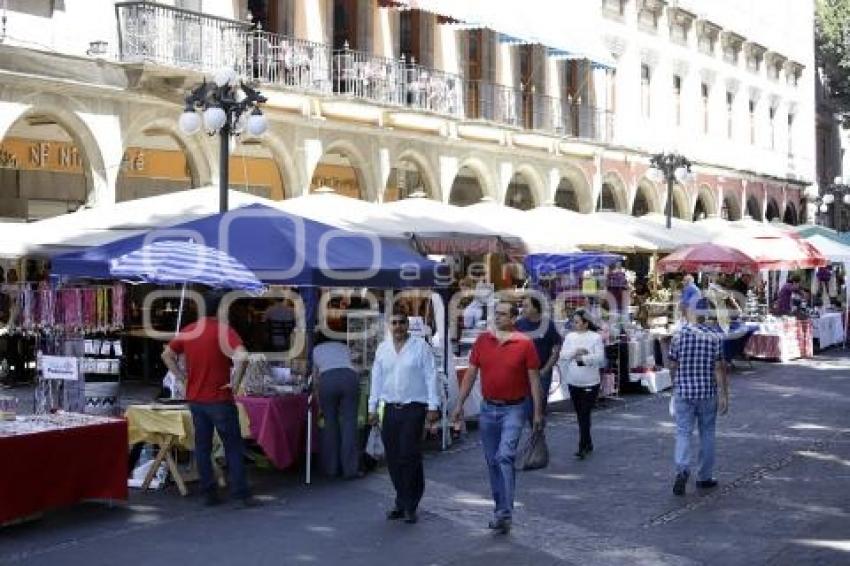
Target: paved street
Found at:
x=783, y=464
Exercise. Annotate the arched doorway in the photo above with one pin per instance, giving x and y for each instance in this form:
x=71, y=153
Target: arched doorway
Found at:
x=790, y=216
x=607, y=199
x=700, y=210
x=644, y=202
x=730, y=210
x=339, y=172
x=573, y=192
x=772, y=211
x=406, y=179
x=155, y=163
x=44, y=170
x=754, y=209
x=612, y=197
x=566, y=195
x=519, y=194
x=467, y=188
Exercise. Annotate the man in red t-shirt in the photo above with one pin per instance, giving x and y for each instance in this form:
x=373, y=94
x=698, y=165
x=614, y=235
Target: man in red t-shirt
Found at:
x=509, y=374
x=209, y=346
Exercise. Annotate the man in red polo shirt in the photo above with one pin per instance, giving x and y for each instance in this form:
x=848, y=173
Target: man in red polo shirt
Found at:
x=509, y=374
x=209, y=345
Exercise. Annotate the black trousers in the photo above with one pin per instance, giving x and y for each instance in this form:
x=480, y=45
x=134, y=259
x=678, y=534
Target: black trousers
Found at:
x=583, y=400
x=401, y=432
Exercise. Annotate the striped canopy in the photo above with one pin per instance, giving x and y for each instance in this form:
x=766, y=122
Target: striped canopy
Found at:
x=174, y=262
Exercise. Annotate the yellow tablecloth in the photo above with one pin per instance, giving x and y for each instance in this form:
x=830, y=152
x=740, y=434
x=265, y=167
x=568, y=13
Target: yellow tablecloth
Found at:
x=145, y=423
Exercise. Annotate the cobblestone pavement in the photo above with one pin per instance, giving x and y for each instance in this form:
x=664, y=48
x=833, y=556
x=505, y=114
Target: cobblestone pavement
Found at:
x=784, y=498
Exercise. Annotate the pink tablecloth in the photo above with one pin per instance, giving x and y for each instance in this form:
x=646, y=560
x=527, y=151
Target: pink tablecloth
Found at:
x=279, y=425
x=784, y=340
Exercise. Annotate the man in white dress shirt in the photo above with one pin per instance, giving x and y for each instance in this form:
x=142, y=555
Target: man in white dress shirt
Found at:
x=404, y=379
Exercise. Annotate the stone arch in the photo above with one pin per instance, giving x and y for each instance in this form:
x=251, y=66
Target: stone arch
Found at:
x=358, y=182
x=772, y=212
x=574, y=190
x=83, y=151
x=199, y=154
x=681, y=209
x=613, y=195
x=426, y=172
x=754, y=208
x=646, y=198
x=705, y=205
x=790, y=217
x=463, y=191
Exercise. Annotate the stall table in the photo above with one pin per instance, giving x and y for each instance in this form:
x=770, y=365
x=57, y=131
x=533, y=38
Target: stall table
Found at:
x=782, y=339
x=169, y=427
x=828, y=329
x=279, y=425
x=51, y=461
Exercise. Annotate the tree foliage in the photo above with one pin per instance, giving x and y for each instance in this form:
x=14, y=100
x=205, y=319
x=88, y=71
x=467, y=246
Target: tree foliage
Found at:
x=832, y=50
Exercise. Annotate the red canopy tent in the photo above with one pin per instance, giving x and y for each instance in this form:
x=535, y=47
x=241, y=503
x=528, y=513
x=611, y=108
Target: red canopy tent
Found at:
x=708, y=257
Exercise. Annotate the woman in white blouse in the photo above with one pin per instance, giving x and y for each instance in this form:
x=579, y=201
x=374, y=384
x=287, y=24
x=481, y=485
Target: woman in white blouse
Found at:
x=582, y=355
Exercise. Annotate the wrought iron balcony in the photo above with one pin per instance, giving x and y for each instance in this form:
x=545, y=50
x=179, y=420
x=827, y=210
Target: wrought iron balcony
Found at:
x=293, y=63
x=492, y=102
x=432, y=90
x=155, y=33
x=164, y=35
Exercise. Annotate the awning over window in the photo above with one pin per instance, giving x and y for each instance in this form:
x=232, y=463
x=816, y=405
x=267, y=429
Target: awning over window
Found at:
x=560, y=25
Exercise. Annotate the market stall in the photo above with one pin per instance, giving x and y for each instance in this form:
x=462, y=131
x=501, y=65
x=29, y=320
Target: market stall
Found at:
x=278, y=248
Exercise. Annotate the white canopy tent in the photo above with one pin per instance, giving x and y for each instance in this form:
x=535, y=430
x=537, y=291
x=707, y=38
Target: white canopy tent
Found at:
x=588, y=231
x=95, y=226
x=537, y=238
x=835, y=252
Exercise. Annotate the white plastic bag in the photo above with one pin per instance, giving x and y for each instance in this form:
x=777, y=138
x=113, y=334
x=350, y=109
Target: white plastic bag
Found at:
x=374, y=444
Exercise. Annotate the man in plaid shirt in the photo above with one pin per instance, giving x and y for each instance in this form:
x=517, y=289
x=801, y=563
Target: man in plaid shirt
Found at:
x=701, y=389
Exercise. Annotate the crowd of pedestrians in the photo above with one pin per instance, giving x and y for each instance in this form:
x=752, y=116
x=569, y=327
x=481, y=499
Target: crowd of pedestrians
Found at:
x=514, y=360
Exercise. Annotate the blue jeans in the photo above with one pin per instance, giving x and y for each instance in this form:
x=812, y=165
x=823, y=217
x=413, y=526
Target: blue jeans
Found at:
x=704, y=412
x=500, y=430
x=224, y=418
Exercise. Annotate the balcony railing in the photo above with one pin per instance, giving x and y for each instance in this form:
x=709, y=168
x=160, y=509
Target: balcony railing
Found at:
x=293, y=63
x=151, y=32
x=492, y=102
x=156, y=33
x=361, y=75
x=436, y=91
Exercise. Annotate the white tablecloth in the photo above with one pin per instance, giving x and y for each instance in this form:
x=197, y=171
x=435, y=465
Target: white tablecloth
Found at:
x=828, y=329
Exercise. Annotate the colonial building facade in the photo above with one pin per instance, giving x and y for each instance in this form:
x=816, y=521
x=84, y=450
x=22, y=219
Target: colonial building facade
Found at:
x=379, y=99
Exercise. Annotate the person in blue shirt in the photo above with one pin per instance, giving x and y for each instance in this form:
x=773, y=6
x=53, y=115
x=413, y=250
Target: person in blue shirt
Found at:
x=547, y=341
x=690, y=295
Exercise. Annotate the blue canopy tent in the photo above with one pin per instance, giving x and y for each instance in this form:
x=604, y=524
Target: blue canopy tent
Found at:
x=278, y=248
x=542, y=265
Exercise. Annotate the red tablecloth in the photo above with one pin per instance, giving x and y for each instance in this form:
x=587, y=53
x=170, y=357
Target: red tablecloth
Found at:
x=279, y=426
x=783, y=340
x=54, y=468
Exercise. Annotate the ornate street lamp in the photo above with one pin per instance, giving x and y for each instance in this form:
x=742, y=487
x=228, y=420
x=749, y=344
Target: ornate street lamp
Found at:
x=224, y=110
x=670, y=167
x=839, y=188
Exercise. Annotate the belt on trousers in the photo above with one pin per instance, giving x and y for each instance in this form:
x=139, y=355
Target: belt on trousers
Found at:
x=403, y=405
x=505, y=403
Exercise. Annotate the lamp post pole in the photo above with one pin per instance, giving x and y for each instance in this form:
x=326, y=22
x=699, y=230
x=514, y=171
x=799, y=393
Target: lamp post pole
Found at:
x=670, y=167
x=223, y=114
x=836, y=193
